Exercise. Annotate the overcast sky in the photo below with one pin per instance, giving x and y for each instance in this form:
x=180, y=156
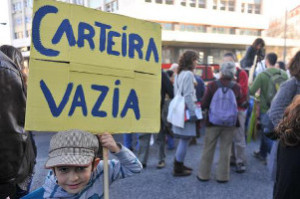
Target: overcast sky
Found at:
x=274, y=8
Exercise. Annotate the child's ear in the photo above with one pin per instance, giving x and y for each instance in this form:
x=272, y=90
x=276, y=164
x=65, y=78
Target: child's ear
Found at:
x=96, y=162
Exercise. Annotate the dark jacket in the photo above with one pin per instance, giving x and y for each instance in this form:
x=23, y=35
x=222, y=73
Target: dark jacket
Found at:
x=166, y=87
x=14, y=142
x=287, y=185
x=200, y=88
x=248, y=59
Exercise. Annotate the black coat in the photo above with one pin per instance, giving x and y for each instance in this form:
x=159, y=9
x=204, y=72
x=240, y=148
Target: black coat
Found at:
x=248, y=59
x=166, y=87
x=287, y=184
x=15, y=166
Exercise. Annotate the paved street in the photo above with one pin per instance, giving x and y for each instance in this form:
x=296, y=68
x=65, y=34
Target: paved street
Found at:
x=156, y=184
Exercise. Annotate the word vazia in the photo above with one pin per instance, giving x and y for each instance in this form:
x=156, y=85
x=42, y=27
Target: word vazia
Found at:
x=130, y=44
x=80, y=102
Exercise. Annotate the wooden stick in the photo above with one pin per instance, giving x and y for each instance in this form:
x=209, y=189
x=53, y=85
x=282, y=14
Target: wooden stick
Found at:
x=252, y=71
x=106, y=172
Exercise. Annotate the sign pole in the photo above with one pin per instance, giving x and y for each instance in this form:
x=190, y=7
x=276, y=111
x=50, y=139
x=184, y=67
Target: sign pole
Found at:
x=105, y=166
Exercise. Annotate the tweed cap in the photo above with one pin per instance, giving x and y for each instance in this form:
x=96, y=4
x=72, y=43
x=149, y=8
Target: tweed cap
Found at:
x=72, y=148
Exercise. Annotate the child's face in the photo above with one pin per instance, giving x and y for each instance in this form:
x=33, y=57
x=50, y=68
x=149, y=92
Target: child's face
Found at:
x=74, y=179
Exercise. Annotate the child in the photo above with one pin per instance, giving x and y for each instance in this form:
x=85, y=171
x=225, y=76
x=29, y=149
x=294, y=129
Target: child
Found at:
x=77, y=172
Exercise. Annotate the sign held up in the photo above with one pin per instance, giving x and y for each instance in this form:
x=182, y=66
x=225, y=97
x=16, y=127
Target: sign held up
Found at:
x=92, y=70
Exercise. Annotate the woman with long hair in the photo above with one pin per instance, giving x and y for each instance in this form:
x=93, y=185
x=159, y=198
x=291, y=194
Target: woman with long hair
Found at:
x=256, y=49
x=287, y=184
x=287, y=91
x=185, y=80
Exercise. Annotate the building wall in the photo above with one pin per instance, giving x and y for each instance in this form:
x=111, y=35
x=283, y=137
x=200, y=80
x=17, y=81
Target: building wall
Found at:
x=211, y=27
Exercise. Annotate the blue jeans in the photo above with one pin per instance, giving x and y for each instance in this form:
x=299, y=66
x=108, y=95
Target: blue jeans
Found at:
x=127, y=141
x=266, y=143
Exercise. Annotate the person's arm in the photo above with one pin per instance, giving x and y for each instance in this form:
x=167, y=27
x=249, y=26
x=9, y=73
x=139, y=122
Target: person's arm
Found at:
x=256, y=85
x=167, y=85
x=207, y=96
x=12, y=117
x=238, y=94
x=188, y=91
x=282, y=99
x=200, y=88
x=243, y=82
x=127, y=163
x=249, y=57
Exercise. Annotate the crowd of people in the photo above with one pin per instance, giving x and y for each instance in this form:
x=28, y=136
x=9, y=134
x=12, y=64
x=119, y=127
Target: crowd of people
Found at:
x=217, y=109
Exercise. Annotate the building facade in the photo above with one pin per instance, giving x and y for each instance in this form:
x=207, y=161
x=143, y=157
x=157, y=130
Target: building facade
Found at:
x=210, y=27
x=286, y=27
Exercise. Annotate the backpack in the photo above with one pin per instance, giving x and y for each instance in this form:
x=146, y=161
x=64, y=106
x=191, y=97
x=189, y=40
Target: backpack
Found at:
x=273, y=85
x=223, y=110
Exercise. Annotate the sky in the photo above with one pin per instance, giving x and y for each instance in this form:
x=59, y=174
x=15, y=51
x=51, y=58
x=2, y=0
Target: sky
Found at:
x=4, y=29
x=274, y=9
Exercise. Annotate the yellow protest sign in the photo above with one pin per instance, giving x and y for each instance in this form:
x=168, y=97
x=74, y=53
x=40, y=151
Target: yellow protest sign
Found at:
x=92, y=70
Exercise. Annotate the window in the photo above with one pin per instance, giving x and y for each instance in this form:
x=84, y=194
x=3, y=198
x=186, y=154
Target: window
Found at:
x=18, y=21
x=210, y=59
x=158, y=1
x=215, y=4
x=148, y=1
x=183, y=2
x=243, y=7
x=28, y=33
x=167, y=26
x=79, y=2
x=257, y=9
x=112, y=6
x=28, y=3
x=223, y=5
x=201, y=29
x=17, y=7
x=231, y=5
x=201, y=57
x=169, y=2
x=115, y=6
x=27, y=19
x=250, y=8
x=201, y=4
x=250, y=32
x=192, y=28
x=192, y=3
x=18, y=35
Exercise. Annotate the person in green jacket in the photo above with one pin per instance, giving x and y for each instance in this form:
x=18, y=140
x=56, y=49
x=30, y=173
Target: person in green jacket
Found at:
x=263, y=83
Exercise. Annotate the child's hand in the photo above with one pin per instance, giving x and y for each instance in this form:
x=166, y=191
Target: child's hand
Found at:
x=109, y=142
